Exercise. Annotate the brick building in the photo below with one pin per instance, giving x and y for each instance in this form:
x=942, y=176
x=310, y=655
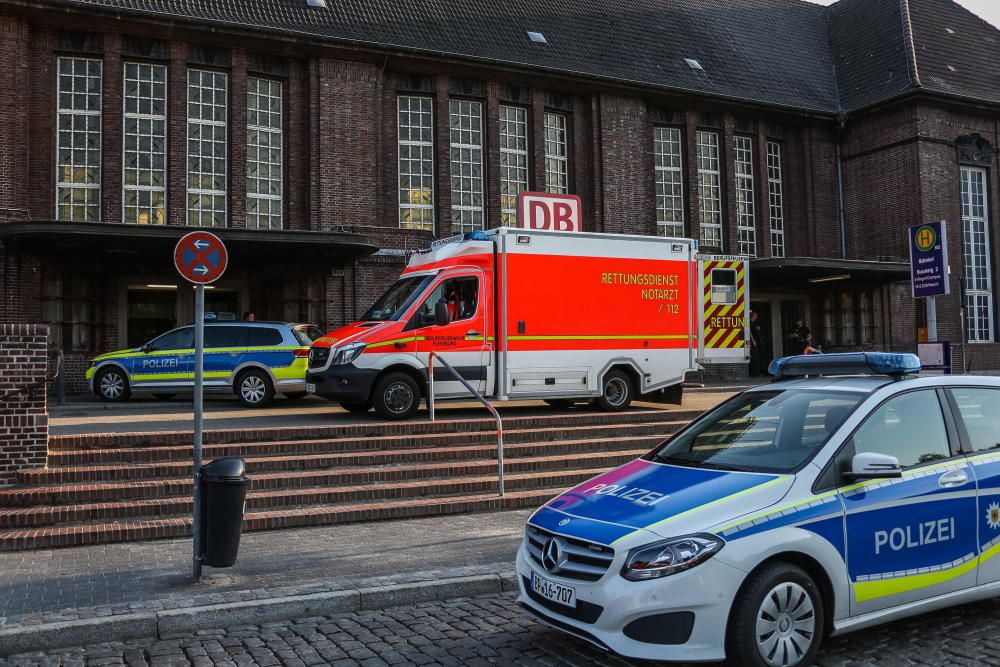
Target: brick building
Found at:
x=313, y=133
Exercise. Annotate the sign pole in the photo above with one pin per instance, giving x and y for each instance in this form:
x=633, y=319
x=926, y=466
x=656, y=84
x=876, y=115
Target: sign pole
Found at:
x=932, y=334
x=199, y=352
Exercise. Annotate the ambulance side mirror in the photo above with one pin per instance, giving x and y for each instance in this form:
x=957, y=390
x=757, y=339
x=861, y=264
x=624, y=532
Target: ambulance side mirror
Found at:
x=441, y=314
x=871, y=465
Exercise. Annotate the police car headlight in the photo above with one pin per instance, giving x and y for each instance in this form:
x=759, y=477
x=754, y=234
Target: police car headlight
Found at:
x=347, y=354
x=677, y=554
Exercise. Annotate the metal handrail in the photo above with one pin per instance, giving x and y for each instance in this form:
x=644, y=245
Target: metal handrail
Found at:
x=30, y=389
x=479, y=397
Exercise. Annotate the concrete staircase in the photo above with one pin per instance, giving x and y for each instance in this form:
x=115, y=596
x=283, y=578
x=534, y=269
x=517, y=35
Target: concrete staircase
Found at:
x=136, y=486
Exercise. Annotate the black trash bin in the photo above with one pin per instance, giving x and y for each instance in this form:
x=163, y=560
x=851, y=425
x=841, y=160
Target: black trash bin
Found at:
x=223, y=501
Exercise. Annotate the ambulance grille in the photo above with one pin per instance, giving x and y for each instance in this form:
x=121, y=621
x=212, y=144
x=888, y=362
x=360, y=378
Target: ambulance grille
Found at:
x=318, y=356
x=584, y=561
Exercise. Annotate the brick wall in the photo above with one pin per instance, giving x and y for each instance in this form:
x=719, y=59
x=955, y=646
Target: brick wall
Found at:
x=23, y=417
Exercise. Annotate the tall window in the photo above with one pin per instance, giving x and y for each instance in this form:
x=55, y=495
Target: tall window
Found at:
x=669, y=174
x=208, y=102
x=467, y=208
x=513, y=160
x=78, y=140
x=976, y=250
x=416, y=162
x=746, y=209
x=144, y=144
x=556, y=154
x=775, y=199
x=709, y=189
x=265, y=163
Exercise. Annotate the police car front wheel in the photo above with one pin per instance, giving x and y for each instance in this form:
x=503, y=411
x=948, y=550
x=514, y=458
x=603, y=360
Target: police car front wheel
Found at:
x=112, y=385
x=254, y=388
x=777, y=619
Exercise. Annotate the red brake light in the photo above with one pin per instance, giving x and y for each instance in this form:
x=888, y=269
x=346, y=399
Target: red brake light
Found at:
x=302, y=352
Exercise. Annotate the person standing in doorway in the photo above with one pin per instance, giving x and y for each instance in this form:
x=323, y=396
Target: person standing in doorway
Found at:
x=755, y=345
x=249, y=317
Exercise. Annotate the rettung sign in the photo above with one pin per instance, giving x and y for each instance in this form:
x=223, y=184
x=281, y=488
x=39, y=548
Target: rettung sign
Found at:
x=929, y=260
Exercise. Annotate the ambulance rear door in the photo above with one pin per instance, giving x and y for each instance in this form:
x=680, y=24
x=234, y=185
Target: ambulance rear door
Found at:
x=724, y=309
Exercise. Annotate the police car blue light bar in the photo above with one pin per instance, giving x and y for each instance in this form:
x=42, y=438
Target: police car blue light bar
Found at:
x=847, y=363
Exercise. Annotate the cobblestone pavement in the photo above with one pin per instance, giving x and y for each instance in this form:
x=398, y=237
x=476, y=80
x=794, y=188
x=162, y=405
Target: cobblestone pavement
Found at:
x=492, y=630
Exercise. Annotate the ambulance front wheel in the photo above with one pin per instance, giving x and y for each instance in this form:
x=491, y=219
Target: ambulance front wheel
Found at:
x=112, y=385
x=617, y=393
x=396, y=396
x=776, y=620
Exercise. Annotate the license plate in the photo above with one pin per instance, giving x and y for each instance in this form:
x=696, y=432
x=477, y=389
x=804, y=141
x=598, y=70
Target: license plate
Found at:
x=311, y=388
x=555, y=592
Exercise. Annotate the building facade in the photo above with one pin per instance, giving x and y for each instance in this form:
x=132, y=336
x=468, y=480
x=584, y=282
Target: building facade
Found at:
x=322, y=140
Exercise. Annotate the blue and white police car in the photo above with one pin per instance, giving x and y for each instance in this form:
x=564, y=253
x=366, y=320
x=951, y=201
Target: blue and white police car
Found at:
x=847, y=493
x=254, y=360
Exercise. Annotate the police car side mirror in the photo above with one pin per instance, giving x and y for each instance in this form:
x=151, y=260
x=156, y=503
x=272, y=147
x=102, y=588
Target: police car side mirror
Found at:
x=871, y=465
x=441, y=314
x=146, y=347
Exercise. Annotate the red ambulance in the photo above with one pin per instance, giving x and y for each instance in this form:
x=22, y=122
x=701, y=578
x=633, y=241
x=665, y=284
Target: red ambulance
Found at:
x=534, y=314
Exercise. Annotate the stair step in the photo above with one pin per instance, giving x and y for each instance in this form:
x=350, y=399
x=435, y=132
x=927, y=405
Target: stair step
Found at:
x=303, y=479
x=140, y=471
x=67, y=458
x=146, y=529
x=284, y=498
x=363, y=429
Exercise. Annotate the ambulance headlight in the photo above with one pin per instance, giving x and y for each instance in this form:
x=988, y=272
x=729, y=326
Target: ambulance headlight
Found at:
x=677, y=554
x=346, y=354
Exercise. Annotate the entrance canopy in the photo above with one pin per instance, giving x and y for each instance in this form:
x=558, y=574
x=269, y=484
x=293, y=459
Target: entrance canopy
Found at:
x=802, y=273
x=153, y=245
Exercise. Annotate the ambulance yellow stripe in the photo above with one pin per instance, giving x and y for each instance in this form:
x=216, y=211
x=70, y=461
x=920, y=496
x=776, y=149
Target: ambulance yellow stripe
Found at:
x=410, y=339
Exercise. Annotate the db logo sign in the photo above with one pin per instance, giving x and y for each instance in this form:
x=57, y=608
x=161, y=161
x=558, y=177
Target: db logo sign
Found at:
x=557, y=213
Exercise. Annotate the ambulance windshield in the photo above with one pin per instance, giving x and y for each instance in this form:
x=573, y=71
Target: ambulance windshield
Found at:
x=397, y=299
x=761, y=431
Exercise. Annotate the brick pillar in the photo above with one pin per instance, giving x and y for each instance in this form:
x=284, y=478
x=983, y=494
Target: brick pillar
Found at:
x=690, y=147
x=727, y=169
x=23, y=416
x=297, y=148
x=536, y=145
x=238, y=141
x=626, y=164
x=41, y=130
x=442, y=158
x=177, y=135
x=763, y=208
x=111, y=135
x=14, y=112
x=491, y=126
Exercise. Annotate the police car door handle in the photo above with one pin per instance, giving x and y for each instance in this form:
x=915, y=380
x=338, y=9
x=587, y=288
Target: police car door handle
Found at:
x=953, y=478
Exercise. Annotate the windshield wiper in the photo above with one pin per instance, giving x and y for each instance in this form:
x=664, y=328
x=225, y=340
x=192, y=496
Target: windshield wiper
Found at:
x=692, y=463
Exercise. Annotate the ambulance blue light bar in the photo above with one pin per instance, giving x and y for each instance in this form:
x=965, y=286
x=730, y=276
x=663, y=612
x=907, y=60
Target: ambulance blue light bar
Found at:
x=847, y=363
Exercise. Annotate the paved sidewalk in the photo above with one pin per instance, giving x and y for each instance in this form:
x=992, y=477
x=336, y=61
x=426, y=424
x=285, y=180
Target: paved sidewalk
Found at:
x=87, y=582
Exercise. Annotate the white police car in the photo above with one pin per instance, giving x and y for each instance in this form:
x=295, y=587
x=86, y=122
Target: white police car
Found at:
x=845, y=494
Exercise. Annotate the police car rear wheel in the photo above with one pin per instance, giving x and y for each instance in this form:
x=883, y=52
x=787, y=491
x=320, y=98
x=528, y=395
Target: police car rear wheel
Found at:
x=396, y=396
x=777, y=619
x=617, y=394
x=112, y=386
x=254, y=389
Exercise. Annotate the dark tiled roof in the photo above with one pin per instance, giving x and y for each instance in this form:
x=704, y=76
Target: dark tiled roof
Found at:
x=774, y=52
x=957, y=52
x=785, y=53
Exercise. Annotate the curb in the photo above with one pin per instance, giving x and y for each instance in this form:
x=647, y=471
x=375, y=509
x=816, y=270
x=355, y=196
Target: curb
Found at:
x=163, y=624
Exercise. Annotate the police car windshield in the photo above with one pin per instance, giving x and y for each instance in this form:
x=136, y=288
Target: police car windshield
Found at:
x=397, y=299
x=761, y=431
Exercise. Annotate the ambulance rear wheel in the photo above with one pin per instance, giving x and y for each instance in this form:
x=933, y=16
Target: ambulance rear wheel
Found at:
x=617, y=394
x=254, y=388
x=112, y=386
x=777, y=619
x=396, y=396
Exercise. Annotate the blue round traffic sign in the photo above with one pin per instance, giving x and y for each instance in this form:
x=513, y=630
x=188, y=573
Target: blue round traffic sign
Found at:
x=201, y=257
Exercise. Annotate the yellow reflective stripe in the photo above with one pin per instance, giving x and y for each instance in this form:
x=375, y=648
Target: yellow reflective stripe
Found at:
x=295, y=371
x=870, y=590
x=797, y=504
x=410, y=339
x=701, y=507
x=635, y=337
